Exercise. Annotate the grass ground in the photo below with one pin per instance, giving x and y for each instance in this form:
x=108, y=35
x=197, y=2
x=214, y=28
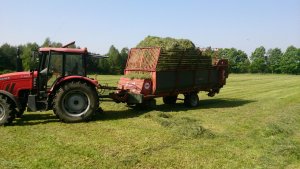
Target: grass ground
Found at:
x=253, y=123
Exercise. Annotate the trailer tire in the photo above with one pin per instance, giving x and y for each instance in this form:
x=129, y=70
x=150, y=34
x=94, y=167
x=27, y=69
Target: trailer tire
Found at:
x=6, y=113
x=76, y=102
x=170, y=99
x=191, y=100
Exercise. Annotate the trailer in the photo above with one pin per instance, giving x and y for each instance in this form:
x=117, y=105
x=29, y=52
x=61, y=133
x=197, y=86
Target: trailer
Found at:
x=170, y=73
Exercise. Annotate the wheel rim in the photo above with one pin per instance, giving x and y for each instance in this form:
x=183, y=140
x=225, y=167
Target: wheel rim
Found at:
x=194, y=100
x=2, y=112
x=75, y=103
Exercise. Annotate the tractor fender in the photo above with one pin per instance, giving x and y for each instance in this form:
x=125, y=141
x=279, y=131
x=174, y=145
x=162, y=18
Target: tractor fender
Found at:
x=72, y=78
x=12, y=98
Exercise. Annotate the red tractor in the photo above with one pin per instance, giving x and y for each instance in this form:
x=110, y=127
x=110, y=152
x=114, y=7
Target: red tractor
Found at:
x=58, y=82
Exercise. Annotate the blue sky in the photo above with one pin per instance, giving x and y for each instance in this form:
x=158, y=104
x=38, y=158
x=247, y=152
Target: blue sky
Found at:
x=98, y=24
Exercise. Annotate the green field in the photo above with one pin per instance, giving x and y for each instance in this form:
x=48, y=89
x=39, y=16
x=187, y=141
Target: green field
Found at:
x=253, y=123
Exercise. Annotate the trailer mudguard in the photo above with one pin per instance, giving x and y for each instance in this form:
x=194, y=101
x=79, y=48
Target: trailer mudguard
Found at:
x=12, y=98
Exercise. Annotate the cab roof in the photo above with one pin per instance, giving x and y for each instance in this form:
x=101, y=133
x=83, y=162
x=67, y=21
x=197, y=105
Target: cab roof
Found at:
x=65, y=50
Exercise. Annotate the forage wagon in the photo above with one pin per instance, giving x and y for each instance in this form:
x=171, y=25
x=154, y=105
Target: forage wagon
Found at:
x=153, y=72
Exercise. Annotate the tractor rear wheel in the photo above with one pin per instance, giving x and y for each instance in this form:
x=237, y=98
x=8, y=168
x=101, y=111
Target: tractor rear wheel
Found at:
x=191, y=100
x=6, y=113
x=170, y=99
x=76, y=102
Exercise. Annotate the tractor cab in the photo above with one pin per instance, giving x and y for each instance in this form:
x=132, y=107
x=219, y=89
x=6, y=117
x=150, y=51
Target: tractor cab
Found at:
x=54, y=67
x=56, y=63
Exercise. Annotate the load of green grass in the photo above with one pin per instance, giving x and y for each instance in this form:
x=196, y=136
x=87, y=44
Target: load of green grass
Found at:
x=176, y=54
x=167, y=44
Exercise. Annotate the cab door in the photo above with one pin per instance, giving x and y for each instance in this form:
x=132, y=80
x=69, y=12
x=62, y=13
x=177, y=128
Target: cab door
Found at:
x=55, y=68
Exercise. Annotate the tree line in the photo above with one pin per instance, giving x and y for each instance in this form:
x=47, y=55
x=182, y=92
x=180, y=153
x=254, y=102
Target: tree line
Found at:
x=260, y=61
x=114, y=64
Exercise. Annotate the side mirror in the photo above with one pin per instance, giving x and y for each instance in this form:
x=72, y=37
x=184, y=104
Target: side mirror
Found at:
x=19, y=65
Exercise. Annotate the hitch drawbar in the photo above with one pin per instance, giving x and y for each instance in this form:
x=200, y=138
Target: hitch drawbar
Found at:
x=121, y=95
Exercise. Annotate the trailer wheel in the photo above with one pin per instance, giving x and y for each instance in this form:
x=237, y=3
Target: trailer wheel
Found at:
x=191, y=100
x=76, y=102
x=6, y=113
x=170, y=99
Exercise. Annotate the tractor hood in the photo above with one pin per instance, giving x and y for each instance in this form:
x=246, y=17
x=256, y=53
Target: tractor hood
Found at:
x=15, y=82
x=14, y=76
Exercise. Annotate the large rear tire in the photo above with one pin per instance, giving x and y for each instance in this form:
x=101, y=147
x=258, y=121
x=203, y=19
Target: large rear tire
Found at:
x=76, y=102
x=6, y=113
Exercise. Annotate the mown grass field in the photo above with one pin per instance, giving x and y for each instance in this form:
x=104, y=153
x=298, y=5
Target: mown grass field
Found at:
x=253, y=123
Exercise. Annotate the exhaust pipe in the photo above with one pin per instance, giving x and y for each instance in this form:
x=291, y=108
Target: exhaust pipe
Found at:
x=19, y=61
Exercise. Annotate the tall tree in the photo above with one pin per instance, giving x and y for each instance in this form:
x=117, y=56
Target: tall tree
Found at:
x=8, y=57
x=114, y=60
x=104, y=66
x=274, y=57
x=26, y=54
x=259, y=61
x=124, y=56
x=238, y=60
x=290, y=62
x=49, y=43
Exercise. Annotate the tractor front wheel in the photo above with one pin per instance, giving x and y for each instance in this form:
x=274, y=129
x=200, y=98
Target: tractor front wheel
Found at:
x=76, y=102
x=6, y=113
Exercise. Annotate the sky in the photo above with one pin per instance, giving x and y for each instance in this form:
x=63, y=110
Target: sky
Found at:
x=98, y=24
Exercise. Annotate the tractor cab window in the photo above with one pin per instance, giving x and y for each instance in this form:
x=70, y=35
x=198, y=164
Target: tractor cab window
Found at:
x=74, y=65
x=54, y=68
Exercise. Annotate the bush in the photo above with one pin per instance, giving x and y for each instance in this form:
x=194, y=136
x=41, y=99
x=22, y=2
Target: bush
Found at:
x=5, y=71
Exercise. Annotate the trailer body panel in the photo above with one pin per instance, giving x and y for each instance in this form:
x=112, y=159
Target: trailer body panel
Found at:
x=172, y=73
